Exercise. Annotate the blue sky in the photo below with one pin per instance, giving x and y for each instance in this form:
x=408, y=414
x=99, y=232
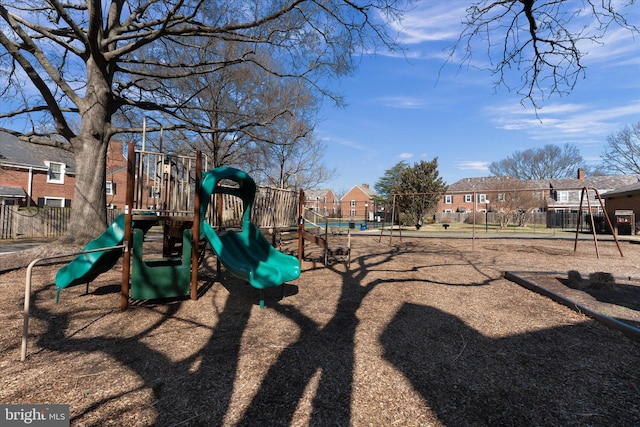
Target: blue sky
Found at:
x=418, y=106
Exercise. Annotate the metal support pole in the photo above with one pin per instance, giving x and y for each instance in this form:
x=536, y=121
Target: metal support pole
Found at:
x=27, y=291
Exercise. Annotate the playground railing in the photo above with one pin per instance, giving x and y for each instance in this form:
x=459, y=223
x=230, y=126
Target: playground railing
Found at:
x=27, y=290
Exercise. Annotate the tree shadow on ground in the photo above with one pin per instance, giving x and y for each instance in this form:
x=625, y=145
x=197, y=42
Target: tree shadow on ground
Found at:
x=467, y=378
x=202, y=384
x=471, y=379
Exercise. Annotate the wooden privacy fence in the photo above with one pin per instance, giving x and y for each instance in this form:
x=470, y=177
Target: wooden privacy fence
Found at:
x=29, y=223
x=37, y=223
x=273, y=208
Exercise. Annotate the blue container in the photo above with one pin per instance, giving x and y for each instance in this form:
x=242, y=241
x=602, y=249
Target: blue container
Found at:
x=363, y=227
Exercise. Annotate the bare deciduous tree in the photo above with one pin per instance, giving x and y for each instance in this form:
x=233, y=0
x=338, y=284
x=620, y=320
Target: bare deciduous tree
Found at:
x=550, y=161
x=513, y=200
x=69, y=68
x=545, y=40
x=295, y=165
x=622, y=154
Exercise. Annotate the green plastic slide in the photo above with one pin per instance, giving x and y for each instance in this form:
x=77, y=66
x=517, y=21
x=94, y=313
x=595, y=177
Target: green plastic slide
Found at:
x=246, y=254
x=86, y=267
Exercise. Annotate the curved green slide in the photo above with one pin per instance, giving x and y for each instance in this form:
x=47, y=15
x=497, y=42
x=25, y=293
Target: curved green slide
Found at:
x=86, y=267
x=247, y=254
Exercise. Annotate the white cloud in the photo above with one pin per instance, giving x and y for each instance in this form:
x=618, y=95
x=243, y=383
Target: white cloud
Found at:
x=403, y=102
x=473, y=165
x=616, y=46
x=405, y=155
x=580, y=123
x=431, y=21
x=345, y=142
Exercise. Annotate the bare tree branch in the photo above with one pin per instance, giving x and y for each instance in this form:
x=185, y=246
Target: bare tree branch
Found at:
x=541, y=39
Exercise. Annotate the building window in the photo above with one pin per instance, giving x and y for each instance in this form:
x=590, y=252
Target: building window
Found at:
x=54, y=202
x=482, y=198
x=448, y=199
x=501, y=197
x=352, y=212
x=563, y=196
x=468, y=198
x=353, y=203
x=111, y=188
x=55, y=174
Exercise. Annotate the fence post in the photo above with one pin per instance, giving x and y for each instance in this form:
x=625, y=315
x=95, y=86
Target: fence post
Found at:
x=14, y=219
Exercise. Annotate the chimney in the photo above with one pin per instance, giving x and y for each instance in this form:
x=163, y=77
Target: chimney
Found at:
x=365, y=186
x=581, y=174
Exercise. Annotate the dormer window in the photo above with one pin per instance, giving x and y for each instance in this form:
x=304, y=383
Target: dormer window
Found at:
x=55, y=173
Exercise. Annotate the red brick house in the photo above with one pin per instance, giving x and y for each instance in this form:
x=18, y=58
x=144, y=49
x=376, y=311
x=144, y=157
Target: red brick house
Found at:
x=472, y=194
x=38, y=175
x=324, y=202
x=116, y=177
x=557, y=195
x=357, y=203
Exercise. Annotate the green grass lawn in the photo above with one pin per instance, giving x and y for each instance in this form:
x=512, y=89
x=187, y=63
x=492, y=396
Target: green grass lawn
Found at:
x=458, y=227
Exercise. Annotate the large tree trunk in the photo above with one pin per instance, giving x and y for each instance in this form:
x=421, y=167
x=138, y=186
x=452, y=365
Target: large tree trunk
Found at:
x=89, y=212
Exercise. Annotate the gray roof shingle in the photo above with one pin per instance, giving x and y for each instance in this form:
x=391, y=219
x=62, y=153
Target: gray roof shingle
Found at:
x=627, y=190
x=20, y=153
x=11, y=191
x=601, y=183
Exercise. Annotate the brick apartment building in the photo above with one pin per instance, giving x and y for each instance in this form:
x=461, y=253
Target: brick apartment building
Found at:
x=324, y=202
x=357, y=203
x=558, y=195
x=38, y=175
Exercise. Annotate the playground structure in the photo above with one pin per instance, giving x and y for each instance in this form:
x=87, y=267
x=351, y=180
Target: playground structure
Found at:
x=314, y=227
x=194, y=208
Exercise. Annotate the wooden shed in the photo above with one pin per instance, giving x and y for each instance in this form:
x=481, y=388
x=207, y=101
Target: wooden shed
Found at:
x=623, y=207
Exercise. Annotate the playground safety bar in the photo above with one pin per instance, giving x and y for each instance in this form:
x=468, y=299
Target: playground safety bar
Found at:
x=27, y=290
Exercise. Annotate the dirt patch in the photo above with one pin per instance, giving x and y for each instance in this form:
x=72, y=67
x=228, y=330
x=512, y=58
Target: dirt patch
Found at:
x=419, y=332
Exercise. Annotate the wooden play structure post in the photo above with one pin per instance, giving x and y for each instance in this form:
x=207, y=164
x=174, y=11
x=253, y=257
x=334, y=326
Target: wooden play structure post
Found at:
x=301, y=226
x=195, y=249
x=170, y=210
x=128, y=223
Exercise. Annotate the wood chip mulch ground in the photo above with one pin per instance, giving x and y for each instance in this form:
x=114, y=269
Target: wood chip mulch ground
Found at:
x=418, y=332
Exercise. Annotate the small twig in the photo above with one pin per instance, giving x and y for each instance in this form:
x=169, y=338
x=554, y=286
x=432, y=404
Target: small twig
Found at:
x=464, y=345
x=187, y=420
